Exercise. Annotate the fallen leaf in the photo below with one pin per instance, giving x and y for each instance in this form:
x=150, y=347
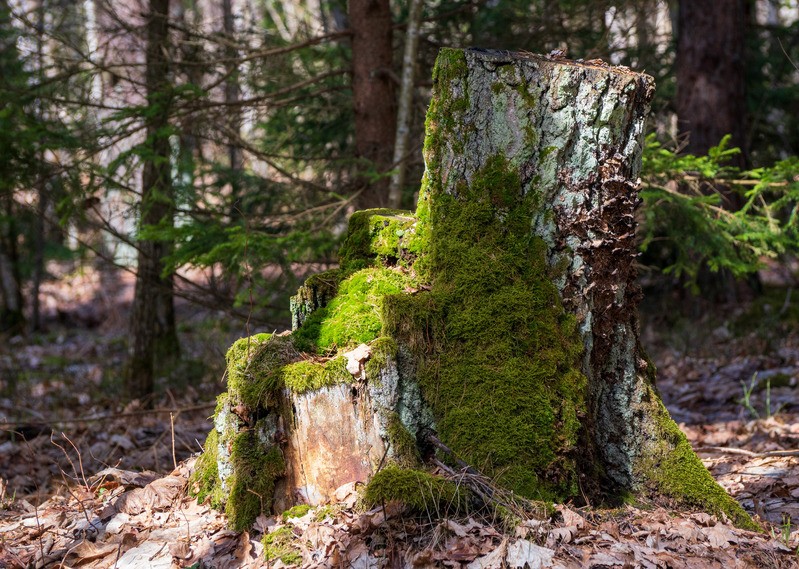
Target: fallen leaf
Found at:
x=719, y=536
x=493, y=560
x=523, y=552
x=570, y=517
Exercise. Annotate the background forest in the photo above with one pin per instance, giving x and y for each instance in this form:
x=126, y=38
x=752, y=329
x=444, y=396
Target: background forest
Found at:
x=171, y=170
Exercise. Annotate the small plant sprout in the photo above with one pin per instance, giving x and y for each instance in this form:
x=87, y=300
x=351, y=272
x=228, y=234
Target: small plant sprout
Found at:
x=746, y=400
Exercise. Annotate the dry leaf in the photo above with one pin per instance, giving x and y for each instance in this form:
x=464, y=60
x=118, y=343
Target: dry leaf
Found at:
x=180, y=550
x=493, y=560
x=561, y=535
x=570, y=517
x=523, y=552
x=719, y=536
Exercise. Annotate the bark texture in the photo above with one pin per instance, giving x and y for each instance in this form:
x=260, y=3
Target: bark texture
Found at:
x=711, y=101
x=152, y=324
x=405, y=103
x=373, y=94
x=501, y=316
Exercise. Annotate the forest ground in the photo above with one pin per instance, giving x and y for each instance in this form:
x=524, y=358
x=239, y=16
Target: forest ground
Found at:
x=729, y=374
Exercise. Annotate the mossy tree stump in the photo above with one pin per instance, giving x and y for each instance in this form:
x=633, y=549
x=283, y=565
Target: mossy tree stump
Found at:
x=501, y=316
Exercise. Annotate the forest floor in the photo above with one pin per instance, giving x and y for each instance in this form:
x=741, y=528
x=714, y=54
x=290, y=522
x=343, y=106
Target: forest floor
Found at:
x=85, y=481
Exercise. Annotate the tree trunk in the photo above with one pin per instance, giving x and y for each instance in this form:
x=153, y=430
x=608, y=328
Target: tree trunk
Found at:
x=405, y=107
x=232, y=96
x=710, y=74
x=152, y=328
x=502, y=316
x=373, y=95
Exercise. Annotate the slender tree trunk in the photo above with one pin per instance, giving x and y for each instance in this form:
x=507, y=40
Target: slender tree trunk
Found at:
x=38, y=254
x=711, y=40
x=232, y=96
x=373, y=95
x=152, y=328
x=405, y=107
x=11, y=312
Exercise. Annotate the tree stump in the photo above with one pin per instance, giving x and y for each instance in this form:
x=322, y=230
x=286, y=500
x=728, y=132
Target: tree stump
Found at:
x=501, y=317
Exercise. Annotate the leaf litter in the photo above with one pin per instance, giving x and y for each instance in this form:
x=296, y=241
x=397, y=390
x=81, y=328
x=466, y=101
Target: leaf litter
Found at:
x=106, y=493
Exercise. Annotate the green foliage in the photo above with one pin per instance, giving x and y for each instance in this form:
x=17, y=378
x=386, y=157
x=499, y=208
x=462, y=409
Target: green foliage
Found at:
x=746, y=400
x=307, y=375
x=204, y=480
x=254, y=368
x=402, y=442
x=686, y=225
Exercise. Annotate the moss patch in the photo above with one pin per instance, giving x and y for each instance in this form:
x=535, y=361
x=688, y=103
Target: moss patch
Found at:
x=674, y=470
x=297, y=511
x=281, y=545
x=383, y=349
x=308, y=375
x=353, y=317
x=379, y=236
x=204, y=481
x=254, y=368
x=498, y=355
x=420, y=491
x=252, y=484
x=316, y=292
x=402, y=442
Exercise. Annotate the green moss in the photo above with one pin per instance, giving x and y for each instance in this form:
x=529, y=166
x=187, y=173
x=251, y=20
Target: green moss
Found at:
x=252, y=484
x=204, y=481
x=498, y=356
x=315, y=293
x=676, y=471
x=420, y=491
x=402, y=442
x=307, y=375
x=324, y=512
x=383, y=349
x=281, y=544
x=297, y=511
x=378, y=236
x=254, y=368
x=353, y=317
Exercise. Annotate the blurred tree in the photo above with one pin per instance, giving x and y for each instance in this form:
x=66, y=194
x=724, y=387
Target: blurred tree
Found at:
x=373, y=97
x=711, y=40
x=153, y=337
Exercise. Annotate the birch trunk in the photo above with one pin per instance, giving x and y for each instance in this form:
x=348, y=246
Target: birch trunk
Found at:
x=405, y=103
x=502, y=316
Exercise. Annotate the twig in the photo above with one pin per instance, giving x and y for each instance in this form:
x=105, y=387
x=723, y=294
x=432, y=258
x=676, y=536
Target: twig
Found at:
x=744, y=452
x=172, y=426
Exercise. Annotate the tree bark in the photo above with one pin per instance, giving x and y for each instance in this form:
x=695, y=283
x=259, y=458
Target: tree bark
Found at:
x=502, y=316
x=232, y=96
x=373, y=95
x=711, y=41
x=405, y=106
x=152, y=324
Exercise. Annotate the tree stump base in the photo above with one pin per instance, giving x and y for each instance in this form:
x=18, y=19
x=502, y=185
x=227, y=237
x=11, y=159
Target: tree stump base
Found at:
x=500, y=317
